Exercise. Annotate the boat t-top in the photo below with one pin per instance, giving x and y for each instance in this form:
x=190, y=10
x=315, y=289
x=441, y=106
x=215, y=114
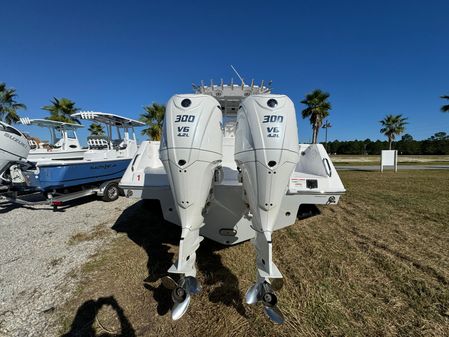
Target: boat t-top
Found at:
x=63, y=144
x=106, y=159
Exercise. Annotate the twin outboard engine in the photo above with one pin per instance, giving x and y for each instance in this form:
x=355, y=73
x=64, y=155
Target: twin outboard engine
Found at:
x=236, y=172
x=266, y=152
x=191, y=151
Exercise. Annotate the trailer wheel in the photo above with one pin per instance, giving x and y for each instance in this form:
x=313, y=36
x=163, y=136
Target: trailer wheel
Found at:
x=111, y=192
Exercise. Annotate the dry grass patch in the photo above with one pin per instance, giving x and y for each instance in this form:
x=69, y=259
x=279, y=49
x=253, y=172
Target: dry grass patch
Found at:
x=374, y=265
x=100, y=231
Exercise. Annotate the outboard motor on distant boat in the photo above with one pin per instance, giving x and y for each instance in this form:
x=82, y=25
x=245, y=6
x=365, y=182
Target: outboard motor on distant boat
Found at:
x=14, y=149
x=191, y=151
x=266, y=152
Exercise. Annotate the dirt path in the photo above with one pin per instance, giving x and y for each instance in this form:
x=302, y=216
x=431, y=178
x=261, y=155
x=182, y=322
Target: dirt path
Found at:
x=41, y=252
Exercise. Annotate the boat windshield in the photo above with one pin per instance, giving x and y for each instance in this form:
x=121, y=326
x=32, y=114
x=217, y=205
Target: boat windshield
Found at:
x=56, y=135
x=71, y=134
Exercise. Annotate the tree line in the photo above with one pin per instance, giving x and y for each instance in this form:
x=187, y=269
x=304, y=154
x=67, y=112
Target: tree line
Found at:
x=438, y=144
x=317, y=109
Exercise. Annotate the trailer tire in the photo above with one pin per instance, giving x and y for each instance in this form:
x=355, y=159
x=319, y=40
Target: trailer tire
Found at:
x=111, y=192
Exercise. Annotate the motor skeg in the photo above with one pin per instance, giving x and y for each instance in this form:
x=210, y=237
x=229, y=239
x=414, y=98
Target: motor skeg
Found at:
x=266, y=150
x=191, y=150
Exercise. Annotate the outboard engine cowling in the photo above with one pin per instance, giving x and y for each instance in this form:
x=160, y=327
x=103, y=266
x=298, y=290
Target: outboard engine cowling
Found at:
x=14, y=149
x=191, y=150
x=266, y=151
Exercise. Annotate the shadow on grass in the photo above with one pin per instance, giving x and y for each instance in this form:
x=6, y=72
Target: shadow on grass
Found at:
x=144, y=224
x=83, y=323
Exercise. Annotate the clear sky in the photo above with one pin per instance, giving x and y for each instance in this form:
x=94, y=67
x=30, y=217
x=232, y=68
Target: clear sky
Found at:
x=374, y=57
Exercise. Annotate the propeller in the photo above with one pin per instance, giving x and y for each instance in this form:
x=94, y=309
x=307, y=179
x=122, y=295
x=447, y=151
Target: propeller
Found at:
x=252, y=295
x=264, y=292
x=269, y=300
x=181, y=292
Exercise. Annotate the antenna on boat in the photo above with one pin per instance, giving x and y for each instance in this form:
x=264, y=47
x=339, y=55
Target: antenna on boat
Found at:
x=241, y=79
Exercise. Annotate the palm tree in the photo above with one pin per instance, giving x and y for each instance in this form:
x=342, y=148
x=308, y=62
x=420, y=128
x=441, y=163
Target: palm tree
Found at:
x=445, y=108
x=61, y=110
x=392, y=126
x=326, y=126
x=153, y=117
x=317, y=109
x=96, y=129
x=8, y=104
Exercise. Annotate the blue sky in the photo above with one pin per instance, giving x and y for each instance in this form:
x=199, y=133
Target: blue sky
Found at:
x=374, y=57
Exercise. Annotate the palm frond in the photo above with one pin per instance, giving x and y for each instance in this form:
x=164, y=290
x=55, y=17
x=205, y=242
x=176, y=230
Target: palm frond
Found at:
x=445, y=108
x=153, y=116
x=62, y=110
x=8, y=104
x=393, y=125
x=317, y=109
x=96, y=129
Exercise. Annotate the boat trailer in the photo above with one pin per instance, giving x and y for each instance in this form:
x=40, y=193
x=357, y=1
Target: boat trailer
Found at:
x=107, y=191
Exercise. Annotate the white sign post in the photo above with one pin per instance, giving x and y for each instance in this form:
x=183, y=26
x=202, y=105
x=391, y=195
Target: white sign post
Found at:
x=389, y=158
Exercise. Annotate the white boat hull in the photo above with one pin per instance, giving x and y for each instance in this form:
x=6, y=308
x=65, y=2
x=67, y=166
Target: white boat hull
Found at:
x=226, y=221
x=37, y=155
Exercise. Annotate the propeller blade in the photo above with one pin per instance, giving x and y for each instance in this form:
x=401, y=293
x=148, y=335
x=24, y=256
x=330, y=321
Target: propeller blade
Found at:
x=192, y=285
x=252, y=295
x=274, y=314
x=168, y=282
x=179, y=309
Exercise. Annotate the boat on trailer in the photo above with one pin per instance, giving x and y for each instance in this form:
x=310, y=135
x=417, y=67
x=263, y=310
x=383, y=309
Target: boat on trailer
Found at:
x=62, y=180
x=229, y=168
x=63, y=144
x=106, y=158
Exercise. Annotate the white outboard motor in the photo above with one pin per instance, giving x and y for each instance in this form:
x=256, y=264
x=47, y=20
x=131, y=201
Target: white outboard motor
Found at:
x=14, y=149
x=191, y=151
x=266, y=151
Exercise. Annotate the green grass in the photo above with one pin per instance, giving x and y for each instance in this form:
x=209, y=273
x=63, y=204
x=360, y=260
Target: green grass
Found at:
x=371, y=163
x=376, y=264
x=363, y=160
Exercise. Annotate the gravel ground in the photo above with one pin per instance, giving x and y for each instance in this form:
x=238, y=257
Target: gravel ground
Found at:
x=39, y=250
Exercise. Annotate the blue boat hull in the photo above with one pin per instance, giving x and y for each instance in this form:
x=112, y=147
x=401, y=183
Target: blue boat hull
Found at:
x=57, y=176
